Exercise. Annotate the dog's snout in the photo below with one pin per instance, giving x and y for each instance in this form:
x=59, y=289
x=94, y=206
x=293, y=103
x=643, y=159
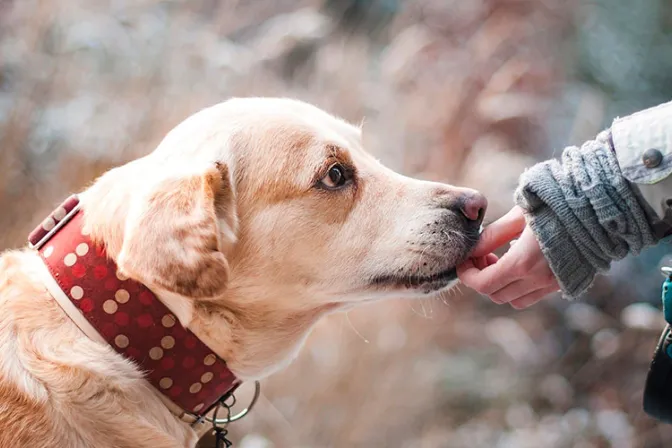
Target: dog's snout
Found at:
x=472, y=206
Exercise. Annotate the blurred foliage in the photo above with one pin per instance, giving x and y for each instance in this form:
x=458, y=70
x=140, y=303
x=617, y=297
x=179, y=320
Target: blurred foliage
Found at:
x=626, y=52
x=469, y=92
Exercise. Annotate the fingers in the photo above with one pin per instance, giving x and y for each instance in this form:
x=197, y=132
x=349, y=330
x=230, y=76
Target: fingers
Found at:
x=533, y=297
x=480, y=263
x=500, y=232
x=490, y=279
x=521, y=277
x=483, y=262
x=515, y=291
x=468, y=265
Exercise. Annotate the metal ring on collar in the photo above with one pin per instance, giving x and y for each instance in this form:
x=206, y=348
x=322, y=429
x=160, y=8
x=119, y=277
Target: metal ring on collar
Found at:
x=229, y=419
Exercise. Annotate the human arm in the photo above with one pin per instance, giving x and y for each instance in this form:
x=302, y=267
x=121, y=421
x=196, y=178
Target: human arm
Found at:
x=599, y=203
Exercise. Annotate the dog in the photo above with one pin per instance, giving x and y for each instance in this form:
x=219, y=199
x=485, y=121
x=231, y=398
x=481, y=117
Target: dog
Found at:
x=250, y=221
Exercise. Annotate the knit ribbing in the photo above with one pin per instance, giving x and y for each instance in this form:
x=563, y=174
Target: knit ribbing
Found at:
x=583, y=213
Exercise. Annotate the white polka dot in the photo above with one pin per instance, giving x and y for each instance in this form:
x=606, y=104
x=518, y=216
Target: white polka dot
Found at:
x=60, y=213
x=48, y=251
x=209, y=360
x=156, y=353
x=122, y=296
x=49, y=224
x=195, y=388
x=167, y=342
x=206, y=377
x=110, y=306
x=121, y=341
x=76, y=292
x=70, y=260
x=86, y=231
x=82, y=249
x=166, y=383
x=198, y=407
x=168, y=321
x=121, y=276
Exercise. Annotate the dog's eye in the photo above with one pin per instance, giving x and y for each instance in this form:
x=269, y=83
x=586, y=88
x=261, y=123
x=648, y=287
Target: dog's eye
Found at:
x=336, y=177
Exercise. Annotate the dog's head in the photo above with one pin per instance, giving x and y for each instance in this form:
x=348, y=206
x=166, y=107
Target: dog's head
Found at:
x=275, y=202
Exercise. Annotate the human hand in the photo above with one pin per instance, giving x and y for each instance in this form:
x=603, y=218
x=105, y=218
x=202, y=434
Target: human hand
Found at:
x=521, y=277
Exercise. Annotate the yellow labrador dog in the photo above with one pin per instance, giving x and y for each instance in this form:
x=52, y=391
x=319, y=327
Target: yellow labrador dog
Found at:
x=249, y=222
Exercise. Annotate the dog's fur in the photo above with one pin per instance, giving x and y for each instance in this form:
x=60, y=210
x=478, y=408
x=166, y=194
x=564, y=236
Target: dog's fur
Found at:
x=228, y=223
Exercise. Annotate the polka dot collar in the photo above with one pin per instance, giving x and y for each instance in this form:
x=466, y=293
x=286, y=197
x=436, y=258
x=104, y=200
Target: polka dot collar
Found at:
x=128, y=316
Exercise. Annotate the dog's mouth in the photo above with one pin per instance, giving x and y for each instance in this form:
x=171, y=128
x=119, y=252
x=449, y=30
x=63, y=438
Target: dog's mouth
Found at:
x=411, y=280
x=428, y=283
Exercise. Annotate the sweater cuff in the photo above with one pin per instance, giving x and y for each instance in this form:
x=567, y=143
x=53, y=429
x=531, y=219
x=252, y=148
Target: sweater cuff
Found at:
x=573, y=272
x=583, y=213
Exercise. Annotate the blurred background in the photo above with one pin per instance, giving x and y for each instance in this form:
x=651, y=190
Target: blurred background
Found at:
x=465, y=91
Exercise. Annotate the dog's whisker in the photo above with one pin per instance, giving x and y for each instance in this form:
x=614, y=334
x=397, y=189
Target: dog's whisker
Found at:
x=424, y=311
x=413, y=309
x=347, y=316
x=442, y=296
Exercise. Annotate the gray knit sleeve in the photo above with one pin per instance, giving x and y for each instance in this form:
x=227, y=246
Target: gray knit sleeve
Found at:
x=584, y=213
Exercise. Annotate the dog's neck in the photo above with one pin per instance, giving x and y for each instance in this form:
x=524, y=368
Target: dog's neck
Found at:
x=255, y=338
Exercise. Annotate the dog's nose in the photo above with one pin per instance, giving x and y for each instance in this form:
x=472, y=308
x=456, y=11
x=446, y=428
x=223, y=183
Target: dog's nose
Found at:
x=473, y=205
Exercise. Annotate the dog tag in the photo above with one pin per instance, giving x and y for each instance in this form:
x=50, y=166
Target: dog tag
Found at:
x=214, y=439
x=222, y=441
x=207, y=440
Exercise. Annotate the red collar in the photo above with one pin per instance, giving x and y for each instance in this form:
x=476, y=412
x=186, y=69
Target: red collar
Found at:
x=129, y=316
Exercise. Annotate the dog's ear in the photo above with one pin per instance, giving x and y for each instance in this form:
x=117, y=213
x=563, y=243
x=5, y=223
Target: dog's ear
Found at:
x=177, y=233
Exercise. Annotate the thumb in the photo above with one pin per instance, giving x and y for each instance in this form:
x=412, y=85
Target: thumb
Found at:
x=500, y=232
